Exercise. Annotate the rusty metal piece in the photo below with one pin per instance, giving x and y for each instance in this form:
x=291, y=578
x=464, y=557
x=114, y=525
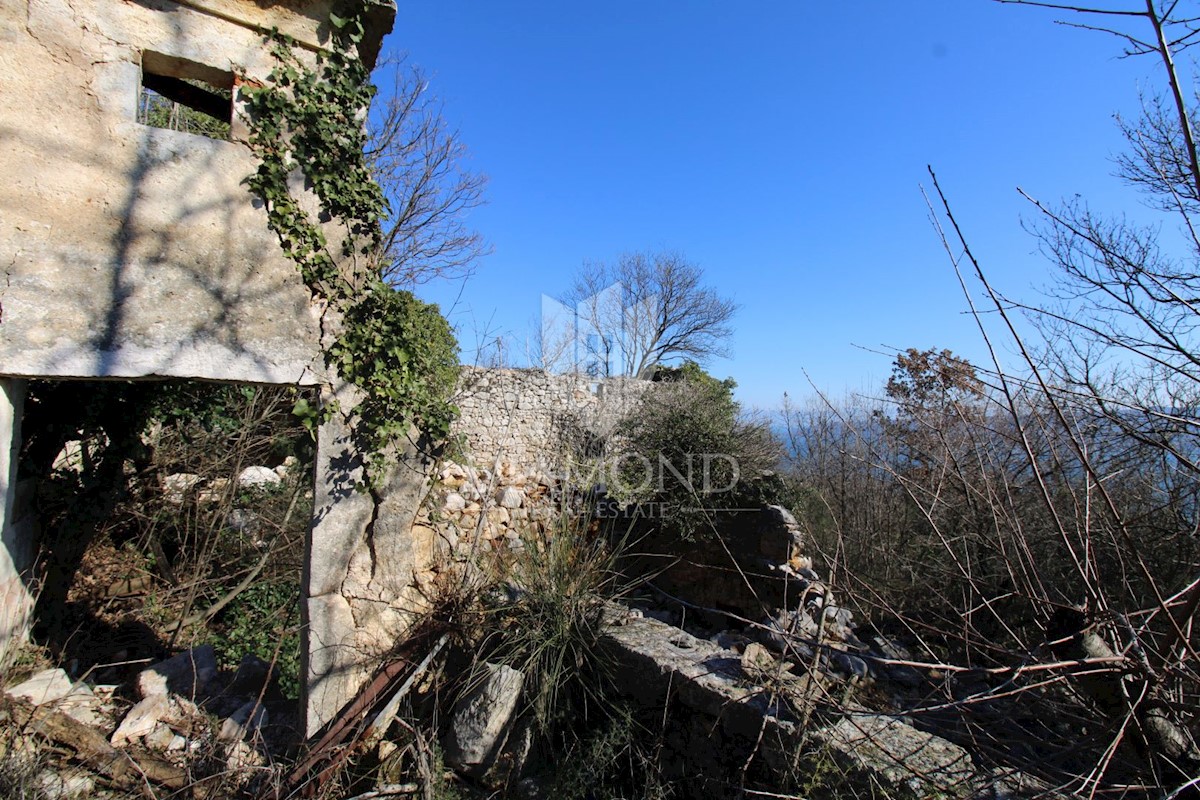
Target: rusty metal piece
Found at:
x=331, y=746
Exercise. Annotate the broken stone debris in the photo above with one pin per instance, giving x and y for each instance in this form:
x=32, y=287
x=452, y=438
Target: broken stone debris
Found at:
x=483, y=718
x=53, y=687
x=44, y=687
x=718, y=684
x=249, y=718
x=163, y=721
x=142, y=719
x=258, y=478
x=55, y=786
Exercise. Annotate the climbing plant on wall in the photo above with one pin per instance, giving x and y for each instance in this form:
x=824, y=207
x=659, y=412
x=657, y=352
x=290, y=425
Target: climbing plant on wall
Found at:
x=308, y=121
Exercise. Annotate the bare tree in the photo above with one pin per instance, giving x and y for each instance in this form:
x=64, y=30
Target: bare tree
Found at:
x=420, y=163
x=1113, y=393
x=645, y=309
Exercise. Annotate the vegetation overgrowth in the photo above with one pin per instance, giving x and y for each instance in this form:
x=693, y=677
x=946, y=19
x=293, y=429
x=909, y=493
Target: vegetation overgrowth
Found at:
x=398, y=350
x=1028, y=541
x=687, y=449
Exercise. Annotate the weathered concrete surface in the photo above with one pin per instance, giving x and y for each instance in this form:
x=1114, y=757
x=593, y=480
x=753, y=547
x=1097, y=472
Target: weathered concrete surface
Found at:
x=364, y=555
x=307, y=22
x=897, y=755
x=17, y=533
x=129, y=250
x=658, y=664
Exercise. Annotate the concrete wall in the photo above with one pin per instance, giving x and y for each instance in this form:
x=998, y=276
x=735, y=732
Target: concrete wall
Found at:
x=16, y=552
x=129, y=250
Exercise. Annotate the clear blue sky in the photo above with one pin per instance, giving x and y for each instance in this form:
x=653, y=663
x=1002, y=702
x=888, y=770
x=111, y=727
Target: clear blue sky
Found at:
x=782, y=146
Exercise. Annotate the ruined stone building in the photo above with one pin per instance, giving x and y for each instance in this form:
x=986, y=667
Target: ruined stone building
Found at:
x=135, y=252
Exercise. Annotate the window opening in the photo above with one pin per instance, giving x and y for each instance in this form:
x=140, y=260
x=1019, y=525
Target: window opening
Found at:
x=183, y=95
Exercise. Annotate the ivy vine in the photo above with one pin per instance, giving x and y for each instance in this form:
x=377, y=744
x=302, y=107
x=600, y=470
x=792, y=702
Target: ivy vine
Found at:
x=397, y=349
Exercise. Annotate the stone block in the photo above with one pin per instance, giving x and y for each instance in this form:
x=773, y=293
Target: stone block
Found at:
x=483, y=718
x=258, y=478
x=142, y=719
x=510, y=497
x=44, y=687
x=249, y=718
x=186, y=674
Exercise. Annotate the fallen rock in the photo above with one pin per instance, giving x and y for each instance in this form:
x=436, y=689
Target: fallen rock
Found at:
x=70, y=458
x=510, y=497
x=791, y=634
x=709, y=681
x=177, y=713
x=241, y=520
x=160, y=738
x=455, y=503
x=241, y=756
x=758, y=663
x=177, y=486
x=290, y=463
x=848, y=664
x=82, y=705
x=53, y=687
x=482, y=719
x=44, y=687
x=53, y=785
x=452, y=470
x=258, y=478
x=142, y=719
x=185, y=674
x=217, y=491
x=243, y=723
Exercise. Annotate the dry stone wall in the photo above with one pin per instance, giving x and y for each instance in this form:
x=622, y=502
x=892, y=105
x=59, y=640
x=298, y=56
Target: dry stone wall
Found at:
x=530, y=420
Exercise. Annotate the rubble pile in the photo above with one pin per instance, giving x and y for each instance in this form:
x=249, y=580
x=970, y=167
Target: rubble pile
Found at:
x=178, y=721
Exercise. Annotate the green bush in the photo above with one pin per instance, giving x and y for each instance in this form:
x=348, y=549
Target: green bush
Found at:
x=264, y=621
x=689, y=449
x=402, y=353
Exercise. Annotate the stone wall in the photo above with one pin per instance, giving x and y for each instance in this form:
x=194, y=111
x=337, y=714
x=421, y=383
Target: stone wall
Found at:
x=530, y=419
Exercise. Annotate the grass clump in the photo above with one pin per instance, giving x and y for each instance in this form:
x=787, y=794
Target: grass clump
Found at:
x=550, y=619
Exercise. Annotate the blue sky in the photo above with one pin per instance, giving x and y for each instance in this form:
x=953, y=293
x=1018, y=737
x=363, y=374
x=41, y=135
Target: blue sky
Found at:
x=781, y=146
